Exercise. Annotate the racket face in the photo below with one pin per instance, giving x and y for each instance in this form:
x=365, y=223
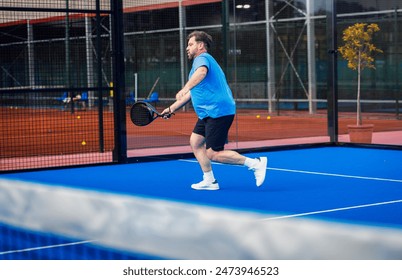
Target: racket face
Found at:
x=141, y=115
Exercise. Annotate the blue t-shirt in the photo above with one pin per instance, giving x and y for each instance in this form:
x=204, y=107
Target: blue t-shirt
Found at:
x=212, y=97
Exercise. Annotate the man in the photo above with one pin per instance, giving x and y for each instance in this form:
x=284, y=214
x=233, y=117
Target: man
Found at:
x=215, y=107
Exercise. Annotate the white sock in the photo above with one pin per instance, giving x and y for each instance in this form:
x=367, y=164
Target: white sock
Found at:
x=209, y=176
x=250, y=162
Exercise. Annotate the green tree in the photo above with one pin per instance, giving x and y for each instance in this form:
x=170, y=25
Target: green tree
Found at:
x=359, y=51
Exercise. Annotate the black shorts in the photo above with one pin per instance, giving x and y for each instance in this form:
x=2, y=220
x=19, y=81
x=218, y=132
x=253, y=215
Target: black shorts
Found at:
x=215, y=131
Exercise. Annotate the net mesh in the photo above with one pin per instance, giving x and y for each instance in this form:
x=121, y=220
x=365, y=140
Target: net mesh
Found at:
x=22, y=244
x=55, y=100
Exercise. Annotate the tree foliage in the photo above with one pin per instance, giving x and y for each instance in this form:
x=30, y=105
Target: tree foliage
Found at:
x=358, y=49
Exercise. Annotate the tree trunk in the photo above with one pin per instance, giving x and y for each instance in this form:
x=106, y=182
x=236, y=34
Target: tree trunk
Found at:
x=359, y=117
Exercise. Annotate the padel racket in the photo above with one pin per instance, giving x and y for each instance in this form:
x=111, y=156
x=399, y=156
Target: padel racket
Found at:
x=143, y=113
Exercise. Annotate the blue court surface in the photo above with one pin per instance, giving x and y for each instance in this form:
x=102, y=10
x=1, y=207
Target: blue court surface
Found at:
x=316, y=203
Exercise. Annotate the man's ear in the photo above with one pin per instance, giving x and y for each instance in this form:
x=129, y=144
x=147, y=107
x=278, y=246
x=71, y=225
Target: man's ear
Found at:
x=201, y=45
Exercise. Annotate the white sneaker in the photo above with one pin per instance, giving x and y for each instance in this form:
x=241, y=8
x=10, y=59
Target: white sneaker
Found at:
x=203, y=185
x=260, y=169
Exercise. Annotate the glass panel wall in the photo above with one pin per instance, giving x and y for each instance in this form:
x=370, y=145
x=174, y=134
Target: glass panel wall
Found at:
x=380, y=86
x=275, y=56
x=272, y=52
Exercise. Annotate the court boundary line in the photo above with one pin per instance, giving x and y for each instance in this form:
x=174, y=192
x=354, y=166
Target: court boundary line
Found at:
x=46, y=247
x=336, y=175
x=331, y=210
x=313, y=172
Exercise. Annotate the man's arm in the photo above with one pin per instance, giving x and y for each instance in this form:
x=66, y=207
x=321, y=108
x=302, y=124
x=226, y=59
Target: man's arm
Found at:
x=184, y=96
x=178, y=104
x=195, y=79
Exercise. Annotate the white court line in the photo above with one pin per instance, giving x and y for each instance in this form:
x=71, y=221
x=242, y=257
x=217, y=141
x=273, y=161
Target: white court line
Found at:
x=336, y=175
x=46, y=247
x=320, y=173
x=331, y=210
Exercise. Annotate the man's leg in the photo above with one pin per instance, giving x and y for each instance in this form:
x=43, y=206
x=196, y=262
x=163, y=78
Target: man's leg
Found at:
x=197, y=143
x=258, y=165
x=209, y=182
x=226, y=156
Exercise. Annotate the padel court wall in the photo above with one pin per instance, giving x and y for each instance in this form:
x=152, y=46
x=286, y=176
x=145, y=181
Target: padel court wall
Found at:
x=289, y=87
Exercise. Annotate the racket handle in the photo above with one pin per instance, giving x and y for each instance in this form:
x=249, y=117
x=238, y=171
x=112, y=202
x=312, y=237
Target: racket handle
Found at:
x=167, y=115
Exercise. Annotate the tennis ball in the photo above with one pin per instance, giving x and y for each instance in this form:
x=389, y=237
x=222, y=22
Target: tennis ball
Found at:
x=258, y=116
x=78, y=117
x=83, y=143
x=269, y=117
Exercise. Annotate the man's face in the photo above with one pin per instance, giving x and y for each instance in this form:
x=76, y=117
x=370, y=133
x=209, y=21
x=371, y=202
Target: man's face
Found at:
x=194, y=48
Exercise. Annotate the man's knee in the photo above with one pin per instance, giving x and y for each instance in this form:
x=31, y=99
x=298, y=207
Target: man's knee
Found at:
x=211, y=154
x=196, y=141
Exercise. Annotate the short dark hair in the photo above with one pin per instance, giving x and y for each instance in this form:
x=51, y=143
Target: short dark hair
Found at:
x=201, y=36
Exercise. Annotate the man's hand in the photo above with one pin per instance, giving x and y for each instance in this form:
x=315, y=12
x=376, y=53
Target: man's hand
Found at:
x=167, y=113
